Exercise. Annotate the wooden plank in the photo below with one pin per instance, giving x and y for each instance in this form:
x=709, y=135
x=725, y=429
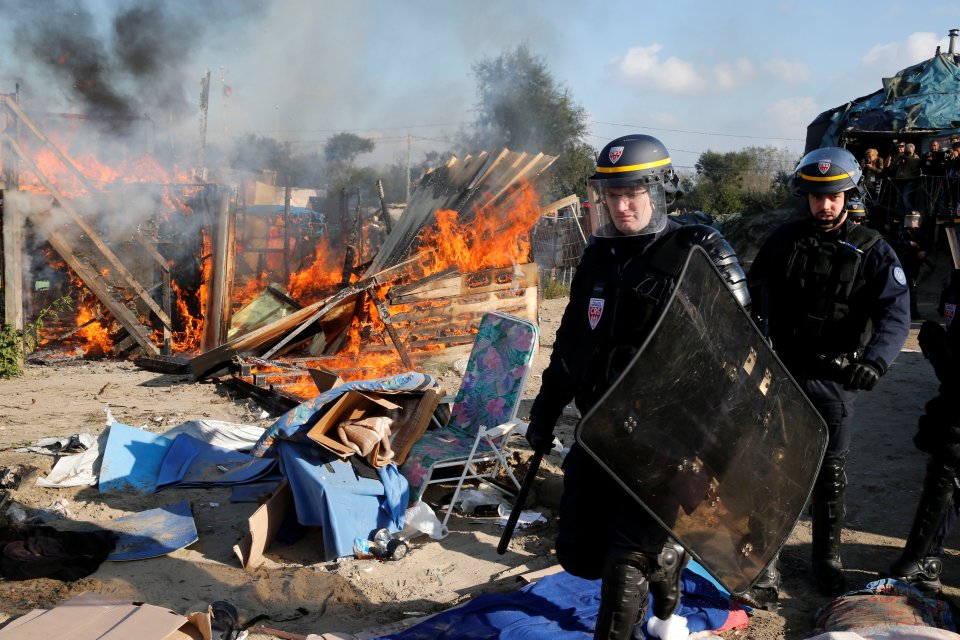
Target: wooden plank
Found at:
x=556, y=205
x=90, y=233
x=92, y=280
x=67, y=162
x=494, y=279
x=12, y=263
x=211, y=361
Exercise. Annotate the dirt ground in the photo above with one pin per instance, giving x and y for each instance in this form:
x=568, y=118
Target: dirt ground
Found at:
x=298, y=593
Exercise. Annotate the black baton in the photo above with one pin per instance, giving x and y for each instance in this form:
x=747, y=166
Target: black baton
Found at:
x=518, y=503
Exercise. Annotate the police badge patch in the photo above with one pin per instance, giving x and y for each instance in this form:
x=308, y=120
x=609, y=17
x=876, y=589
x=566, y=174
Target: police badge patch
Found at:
x=594, y=311
x=614, y=155
x=900, y=276
x=824, y=166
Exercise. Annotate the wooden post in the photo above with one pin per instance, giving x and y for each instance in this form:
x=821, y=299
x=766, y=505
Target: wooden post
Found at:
x=220, y=287
x=12, y=231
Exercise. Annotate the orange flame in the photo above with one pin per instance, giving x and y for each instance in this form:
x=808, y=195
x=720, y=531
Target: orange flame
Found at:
x=487, y=238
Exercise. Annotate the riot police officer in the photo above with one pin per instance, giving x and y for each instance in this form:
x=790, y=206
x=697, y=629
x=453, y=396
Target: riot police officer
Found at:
x=833, y=299
x=616, y=294
x=856, y=211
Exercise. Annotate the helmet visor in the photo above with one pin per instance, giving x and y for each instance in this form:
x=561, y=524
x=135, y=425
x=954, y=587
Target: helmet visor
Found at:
x=626, y=210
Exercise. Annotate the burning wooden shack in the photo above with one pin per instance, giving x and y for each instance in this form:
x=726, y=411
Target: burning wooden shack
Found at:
x=171, y=285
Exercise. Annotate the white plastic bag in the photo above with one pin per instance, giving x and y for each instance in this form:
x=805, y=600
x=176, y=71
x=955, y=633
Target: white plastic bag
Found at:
x=422, y=518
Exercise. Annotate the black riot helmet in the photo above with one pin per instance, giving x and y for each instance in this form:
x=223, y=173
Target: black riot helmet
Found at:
x=829, y=170
x=856, y=210
x=633, y=185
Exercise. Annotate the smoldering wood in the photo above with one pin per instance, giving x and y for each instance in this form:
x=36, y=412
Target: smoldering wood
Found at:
x=93, y=237
x=220, y=283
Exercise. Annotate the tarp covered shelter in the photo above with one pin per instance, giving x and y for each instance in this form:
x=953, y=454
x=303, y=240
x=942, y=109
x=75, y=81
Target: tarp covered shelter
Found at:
x=916, y=104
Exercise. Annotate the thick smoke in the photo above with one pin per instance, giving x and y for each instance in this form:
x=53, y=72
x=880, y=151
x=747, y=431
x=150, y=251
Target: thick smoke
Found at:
x=114, y=66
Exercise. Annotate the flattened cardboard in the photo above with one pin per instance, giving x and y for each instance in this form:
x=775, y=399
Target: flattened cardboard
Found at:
x=324, y=379
x=352, y=405
x=91, y=616
x=262, y=527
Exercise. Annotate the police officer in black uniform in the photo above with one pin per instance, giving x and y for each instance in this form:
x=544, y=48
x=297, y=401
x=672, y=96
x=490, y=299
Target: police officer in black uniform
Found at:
x=833, y=299
x=857, y=212
x=623, y=278
x=938, y=434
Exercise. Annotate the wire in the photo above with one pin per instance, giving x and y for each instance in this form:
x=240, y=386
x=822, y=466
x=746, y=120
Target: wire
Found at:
x=700, y=133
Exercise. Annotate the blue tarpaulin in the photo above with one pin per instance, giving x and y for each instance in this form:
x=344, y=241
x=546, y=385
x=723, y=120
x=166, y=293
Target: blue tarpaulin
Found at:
x=558, y=607
x=328, y=492
x=922, y=97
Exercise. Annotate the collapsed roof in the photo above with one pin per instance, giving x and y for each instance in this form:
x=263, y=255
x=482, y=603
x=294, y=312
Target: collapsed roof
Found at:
x=922, y=99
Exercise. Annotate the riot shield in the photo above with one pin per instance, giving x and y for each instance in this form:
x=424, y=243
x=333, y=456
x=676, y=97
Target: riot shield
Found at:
x=708, y=431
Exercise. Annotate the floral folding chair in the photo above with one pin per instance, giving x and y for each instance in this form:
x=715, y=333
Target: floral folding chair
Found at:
x=483, y=415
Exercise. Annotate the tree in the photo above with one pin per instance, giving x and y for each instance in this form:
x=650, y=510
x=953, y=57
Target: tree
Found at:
x=520, y=106
x=751, y=180
x=343, y=148
x=255, y=153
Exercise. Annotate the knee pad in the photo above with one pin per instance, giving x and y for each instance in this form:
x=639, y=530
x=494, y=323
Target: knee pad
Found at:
x=665, y=581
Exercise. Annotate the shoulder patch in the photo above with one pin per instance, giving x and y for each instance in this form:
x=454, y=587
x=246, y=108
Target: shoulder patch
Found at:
x=900, y=276
x=594, y=311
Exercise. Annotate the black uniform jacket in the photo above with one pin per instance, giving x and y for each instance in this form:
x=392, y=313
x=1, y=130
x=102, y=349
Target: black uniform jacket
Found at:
x=611, y=295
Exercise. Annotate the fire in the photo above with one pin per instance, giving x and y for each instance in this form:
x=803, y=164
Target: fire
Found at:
x=487, y=238
x=96, y=338
x=189, y=337
x=319, y=278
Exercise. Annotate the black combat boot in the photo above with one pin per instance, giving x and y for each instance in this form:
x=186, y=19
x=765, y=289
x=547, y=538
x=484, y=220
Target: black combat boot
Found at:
x=828, y=511
x=623, y=594
x=915, y=566
x=765, y=591
x=665, y=580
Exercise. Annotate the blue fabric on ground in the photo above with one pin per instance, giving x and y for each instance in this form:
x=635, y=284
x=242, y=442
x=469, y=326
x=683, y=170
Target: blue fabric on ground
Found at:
x=556, y=607
x=132, y=459
x=191, y=462
x=327, y=492
x=154, y=532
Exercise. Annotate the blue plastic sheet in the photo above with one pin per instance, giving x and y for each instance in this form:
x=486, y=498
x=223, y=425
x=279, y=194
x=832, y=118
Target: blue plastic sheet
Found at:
x=327, y=492
x=132, y=459
x=194, y=463
x=153, y=533
x=557, y=607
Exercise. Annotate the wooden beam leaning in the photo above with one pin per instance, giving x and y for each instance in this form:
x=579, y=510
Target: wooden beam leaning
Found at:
x=23, y=118
x=92, y=280
x=114, y=261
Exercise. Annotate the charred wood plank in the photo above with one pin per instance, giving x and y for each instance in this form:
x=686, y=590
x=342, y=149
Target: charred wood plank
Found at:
x=92, y=280
x=107, y=253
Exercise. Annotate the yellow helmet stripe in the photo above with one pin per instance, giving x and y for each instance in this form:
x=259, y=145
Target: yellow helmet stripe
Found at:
x=824, y=178
x=635, y=167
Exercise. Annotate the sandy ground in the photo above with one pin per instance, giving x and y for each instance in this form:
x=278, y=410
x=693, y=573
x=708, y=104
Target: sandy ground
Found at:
x=298, y=593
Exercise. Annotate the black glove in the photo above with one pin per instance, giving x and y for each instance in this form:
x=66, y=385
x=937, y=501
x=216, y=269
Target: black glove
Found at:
x=862, y=374
x=539, y=436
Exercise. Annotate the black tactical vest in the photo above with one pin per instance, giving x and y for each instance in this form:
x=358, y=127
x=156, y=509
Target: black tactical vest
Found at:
x=826, y=273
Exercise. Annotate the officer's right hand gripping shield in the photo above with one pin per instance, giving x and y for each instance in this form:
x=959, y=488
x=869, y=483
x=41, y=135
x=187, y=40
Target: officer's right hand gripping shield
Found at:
x=708, y=431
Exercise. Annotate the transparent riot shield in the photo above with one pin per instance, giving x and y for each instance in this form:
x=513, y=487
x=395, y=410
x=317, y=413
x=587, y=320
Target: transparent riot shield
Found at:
x=708, y=431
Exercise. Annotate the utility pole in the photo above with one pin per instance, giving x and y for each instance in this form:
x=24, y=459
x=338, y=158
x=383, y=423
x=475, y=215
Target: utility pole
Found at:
x=204, y=108
x=407, y=177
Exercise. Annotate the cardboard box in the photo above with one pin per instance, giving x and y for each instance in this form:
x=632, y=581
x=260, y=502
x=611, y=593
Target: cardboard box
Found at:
x=91, y=616
x=352, y=405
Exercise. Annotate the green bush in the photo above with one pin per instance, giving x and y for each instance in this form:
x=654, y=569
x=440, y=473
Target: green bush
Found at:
x=13, y=341
x=554, y=288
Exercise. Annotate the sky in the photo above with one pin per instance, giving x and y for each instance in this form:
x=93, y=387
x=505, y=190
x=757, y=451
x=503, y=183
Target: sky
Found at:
x=698, y=75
